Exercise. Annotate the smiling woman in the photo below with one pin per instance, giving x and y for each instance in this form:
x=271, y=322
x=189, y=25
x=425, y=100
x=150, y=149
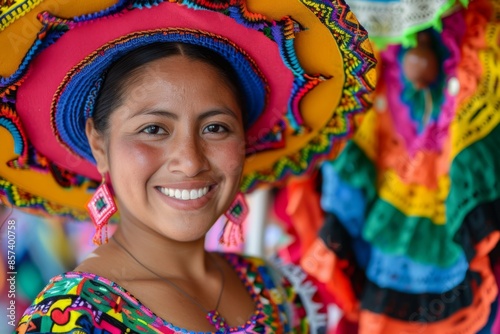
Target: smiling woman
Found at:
x=178, y=107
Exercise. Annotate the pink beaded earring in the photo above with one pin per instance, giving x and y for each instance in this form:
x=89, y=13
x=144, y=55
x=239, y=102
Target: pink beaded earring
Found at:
x=232, y=234
x=101, y=207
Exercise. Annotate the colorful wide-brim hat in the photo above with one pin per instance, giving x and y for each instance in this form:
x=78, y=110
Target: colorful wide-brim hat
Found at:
x=306, y=68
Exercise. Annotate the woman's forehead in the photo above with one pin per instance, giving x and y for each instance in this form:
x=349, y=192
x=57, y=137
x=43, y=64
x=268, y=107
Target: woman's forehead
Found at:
x=177, y=85
x=176, y=72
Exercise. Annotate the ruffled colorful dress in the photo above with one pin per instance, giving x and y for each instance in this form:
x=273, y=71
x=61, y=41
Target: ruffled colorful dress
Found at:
x=86, y=303
x=413, y=202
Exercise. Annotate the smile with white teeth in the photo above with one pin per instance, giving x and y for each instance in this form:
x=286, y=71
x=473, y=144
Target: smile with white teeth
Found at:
x=184, y=194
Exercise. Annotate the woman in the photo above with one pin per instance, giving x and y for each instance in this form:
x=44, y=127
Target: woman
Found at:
x=181, y=133
x=174, y=107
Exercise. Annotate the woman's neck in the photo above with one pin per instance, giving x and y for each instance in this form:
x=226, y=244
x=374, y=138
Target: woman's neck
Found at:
x=167, y=257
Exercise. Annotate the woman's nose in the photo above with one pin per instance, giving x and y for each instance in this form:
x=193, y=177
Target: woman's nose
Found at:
x=188, y=156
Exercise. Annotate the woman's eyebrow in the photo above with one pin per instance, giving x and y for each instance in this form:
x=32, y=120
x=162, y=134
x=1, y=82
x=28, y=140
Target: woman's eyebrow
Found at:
x=157, y=112
x=175, y=117
x=215, y=112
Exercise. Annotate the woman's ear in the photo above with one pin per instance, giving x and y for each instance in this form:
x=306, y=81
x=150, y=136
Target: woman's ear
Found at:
x=98, y=146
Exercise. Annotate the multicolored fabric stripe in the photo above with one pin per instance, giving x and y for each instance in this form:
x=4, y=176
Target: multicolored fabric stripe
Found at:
x=14, y=9
x=12, y=195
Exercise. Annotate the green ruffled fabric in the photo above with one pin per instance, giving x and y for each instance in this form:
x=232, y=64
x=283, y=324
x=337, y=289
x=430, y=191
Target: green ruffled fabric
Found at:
x=357, y=169
x=474, y=173
x=393, y=232
x=475, y=178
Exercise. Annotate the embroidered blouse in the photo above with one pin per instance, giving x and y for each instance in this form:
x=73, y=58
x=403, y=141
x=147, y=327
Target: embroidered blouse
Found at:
x=79, y=302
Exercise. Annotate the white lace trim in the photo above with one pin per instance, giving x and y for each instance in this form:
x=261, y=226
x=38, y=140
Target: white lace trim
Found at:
x=306, y=290
x=390, y=19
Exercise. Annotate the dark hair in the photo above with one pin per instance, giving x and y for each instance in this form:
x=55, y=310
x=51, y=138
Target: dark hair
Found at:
x=111, y=92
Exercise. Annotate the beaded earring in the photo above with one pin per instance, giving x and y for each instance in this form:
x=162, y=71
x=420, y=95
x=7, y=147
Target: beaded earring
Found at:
x=232, y=234
x=101, y=207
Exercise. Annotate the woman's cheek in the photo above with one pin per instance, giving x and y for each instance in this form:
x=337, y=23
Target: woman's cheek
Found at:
x=135, y=156
x=231, y=157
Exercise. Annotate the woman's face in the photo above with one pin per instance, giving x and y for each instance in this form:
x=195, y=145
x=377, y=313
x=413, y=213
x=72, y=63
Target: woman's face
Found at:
x=174, y=149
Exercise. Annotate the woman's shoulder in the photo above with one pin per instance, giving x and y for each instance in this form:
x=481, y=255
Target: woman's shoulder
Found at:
x=74, y=300
x=82, y=284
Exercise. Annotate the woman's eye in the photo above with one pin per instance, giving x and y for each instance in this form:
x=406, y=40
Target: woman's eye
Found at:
x=215, y=128
x=153, y=130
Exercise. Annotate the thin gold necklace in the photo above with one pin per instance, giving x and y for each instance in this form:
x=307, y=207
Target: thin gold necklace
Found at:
x=213, y=316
